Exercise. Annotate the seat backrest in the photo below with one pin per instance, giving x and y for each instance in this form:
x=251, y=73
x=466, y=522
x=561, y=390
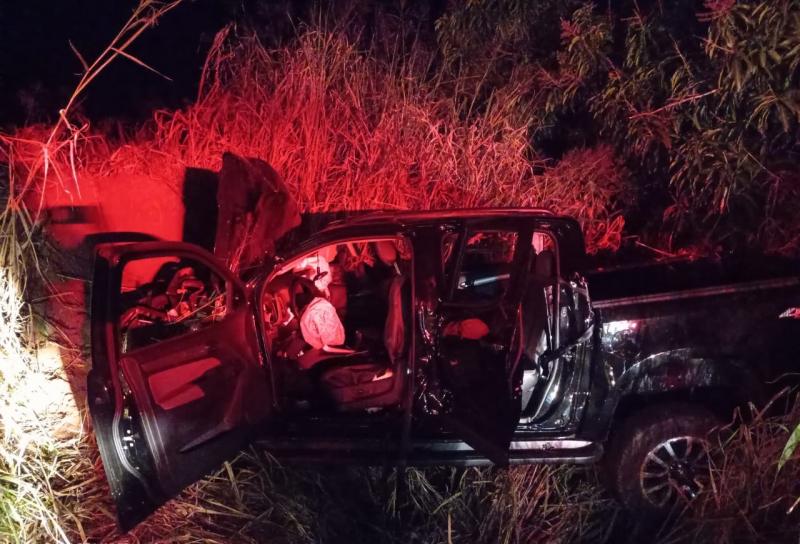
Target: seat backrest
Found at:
x=534, y=315
x=386, y=251
x=394, y=333
x=544, y=268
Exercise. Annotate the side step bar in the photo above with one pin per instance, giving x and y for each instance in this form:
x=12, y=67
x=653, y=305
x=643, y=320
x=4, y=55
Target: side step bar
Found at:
x=429, y=453
x=521, y=453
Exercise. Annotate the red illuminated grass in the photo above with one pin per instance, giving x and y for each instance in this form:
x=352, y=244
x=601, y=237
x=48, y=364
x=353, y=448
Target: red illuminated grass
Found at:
x=347, y=131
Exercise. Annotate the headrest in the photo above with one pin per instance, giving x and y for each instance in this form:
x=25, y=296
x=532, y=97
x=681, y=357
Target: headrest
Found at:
x=545, y=265
x=386, y=251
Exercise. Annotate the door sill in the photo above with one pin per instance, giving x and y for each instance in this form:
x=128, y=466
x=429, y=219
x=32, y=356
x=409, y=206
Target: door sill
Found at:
x=520, y=453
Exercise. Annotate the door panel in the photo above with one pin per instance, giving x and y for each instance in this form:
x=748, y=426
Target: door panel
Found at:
x=176, y=379
x=174, y=387
x=479, y=346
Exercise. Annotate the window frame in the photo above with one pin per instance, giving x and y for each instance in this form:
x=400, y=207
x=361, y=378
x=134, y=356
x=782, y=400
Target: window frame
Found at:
x=234, y=294
x=554, y=308
x=521, y=259
x=289, y=263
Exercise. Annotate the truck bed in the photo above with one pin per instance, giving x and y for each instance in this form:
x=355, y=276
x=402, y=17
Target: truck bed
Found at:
x=687, y=278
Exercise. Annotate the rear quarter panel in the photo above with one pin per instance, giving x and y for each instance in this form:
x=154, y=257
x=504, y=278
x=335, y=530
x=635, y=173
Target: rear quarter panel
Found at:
x=734, y=341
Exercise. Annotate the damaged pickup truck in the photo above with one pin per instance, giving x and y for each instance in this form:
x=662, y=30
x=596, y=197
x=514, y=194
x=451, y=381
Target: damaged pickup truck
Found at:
x=416, y=338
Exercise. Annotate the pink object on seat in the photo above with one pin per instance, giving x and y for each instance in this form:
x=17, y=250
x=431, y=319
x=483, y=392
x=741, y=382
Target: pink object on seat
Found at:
x=320, y=324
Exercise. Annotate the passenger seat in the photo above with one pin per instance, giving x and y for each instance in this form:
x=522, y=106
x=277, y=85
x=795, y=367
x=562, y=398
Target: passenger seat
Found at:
x=360, y=383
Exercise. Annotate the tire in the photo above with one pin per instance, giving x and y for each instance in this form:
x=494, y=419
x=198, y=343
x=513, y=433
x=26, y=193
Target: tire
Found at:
x=657, y=458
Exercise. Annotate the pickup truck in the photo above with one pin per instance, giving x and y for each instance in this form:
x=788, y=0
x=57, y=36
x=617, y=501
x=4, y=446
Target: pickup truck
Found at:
x=400, y=338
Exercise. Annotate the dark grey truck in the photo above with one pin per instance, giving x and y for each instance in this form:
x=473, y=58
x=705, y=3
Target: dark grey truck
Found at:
x=464, y=337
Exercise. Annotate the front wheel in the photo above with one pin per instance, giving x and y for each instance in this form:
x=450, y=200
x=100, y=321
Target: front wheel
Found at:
x=660, y=457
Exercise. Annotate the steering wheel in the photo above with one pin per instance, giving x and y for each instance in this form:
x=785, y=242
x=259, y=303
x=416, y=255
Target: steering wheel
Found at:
x=301, y=285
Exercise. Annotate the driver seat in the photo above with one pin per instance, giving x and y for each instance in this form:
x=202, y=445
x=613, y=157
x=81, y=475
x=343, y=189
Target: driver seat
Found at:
x=358, y=383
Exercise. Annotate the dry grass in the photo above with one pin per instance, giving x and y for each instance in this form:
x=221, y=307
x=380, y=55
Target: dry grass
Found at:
x=346, y=130
x=750, y=499
x=349, y=131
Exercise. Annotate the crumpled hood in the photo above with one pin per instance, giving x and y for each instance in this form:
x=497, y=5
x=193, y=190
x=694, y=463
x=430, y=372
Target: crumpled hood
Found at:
x=255, y=211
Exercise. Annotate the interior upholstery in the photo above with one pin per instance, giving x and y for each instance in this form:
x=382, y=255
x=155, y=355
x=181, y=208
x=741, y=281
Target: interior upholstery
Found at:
x=356, y=384
x=534, y=302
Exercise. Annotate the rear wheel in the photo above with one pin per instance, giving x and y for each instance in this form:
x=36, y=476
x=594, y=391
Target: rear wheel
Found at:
x=660, y=457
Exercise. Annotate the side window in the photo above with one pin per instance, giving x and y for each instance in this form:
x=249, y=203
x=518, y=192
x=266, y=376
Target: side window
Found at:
x=484, y=268
x=344, y=296
x=165, y=297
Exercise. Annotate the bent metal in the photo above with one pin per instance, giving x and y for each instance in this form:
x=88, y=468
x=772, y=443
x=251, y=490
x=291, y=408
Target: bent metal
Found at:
x=415, y=338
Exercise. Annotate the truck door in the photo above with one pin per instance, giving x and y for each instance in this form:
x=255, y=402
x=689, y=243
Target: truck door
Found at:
x=176, y=378
x=479, y=345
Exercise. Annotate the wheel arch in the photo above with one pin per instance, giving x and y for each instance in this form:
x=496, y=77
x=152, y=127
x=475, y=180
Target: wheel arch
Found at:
x=720, y=384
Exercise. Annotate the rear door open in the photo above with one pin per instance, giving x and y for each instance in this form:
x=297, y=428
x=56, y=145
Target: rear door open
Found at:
x=176, y=379
x=479, y=340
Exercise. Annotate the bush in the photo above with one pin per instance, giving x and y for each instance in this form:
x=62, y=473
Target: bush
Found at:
x=349, y=130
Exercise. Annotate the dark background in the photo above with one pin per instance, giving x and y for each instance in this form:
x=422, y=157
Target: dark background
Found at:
x=39, y=71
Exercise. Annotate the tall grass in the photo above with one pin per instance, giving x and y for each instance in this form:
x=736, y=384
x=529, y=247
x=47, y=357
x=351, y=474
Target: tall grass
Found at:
x=750, y=497
x=347, y=130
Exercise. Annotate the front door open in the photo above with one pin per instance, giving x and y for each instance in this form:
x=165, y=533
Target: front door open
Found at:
x=176, y=377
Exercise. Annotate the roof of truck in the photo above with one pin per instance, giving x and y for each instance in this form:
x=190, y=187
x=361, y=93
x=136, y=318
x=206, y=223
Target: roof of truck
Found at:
x=369, y=216
x=325, y=224
x=314, y=223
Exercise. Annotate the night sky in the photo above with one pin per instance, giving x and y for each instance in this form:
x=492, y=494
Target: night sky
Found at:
x=38, y=70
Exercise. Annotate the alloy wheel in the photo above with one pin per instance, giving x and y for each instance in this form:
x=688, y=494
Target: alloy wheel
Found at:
x=675, y=468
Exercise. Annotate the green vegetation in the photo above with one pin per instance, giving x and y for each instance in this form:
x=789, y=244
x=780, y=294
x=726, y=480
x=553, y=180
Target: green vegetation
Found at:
x=675, y=123
x=700, y=101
